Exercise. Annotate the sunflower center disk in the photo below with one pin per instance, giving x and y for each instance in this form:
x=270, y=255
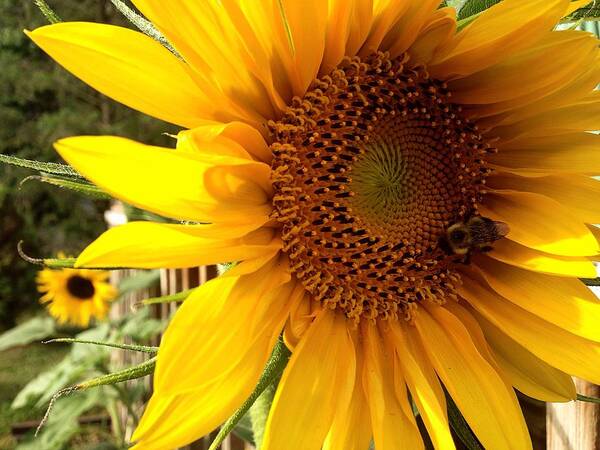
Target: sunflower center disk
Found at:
x=80, y=288
x=369, y=170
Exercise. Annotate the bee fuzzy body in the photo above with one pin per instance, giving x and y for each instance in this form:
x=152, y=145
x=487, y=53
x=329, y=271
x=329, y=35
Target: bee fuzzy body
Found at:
x=475, y=234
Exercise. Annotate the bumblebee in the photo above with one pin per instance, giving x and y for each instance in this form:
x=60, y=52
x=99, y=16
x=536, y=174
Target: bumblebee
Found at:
x=477, y=233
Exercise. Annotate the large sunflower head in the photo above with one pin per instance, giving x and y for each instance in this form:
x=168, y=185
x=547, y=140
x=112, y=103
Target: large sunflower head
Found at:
x=75, y=296
x=410, y=204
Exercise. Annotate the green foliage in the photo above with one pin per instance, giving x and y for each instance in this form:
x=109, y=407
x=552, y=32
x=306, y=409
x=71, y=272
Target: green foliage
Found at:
x=30, y=331
x=64, y=424
x=460, y=426
x=36, y=109
x=589, y=12
x=472, y=7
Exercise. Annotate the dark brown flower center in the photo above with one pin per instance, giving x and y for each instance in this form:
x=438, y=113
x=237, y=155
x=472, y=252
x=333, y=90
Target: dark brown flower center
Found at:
x=80, y=288
x=370, y=168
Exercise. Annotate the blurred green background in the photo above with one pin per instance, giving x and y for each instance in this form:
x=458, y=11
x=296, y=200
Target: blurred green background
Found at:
x=40, y=103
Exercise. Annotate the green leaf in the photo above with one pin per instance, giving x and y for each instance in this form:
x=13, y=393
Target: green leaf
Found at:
x=461, y=427
x=585, y=398
x=50, y=15
x=456, y=4
x=588, y=12
x=81, y=360
x=64, y=424
x=273, y=370
x=243, y=430
x=33, y=330
x=140, y=326
x=474, y=7
x=139, y=281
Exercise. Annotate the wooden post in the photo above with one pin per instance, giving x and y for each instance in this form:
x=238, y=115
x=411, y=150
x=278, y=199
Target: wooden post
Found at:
x=121, y=359
x=574, y=425
x=171, y=282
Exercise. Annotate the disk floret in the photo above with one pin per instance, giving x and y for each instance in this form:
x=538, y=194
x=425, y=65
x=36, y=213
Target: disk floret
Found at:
x=369, y=169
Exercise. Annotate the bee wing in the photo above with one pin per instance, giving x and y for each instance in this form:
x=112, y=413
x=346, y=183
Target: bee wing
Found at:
x=502, y=229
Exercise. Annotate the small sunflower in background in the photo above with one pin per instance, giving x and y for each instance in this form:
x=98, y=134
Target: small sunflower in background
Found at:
x=75, y=296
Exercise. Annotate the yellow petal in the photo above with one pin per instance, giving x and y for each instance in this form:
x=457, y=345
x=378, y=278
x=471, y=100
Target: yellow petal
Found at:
x=351, y=429
x=488, y=405
x=435, y=34
x=572, y=91
x=497, y=33
x=565, y=302
x=129, y=67
x=576, y=192
x=300, y=320
x=541, y=223
x=530, y=70
x=340, y=13
x=430, y=403
x=559, y=348
x=305, y=23
x=292, y=35
x=528, y=373
x=567, y=153
x=212, y=354
x=583, y=115
x=392, y=419
x=235, y=139
x=317, y=383
x=170, y=182
x=385, y=14
x=475, y=333
x=360, y=25
x=148, y=245
x=518, y=255
x=408, y=26
x=575, y=5
x=248, y=301
x=210, y=40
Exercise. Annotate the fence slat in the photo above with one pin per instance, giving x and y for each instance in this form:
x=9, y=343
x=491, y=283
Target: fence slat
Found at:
x=574, y=425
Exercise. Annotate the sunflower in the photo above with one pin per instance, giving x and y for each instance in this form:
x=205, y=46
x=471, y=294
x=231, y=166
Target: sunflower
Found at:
x=410, y=205
x=75, y=296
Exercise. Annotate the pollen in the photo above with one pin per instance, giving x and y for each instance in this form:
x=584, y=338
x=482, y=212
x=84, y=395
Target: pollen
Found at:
x=370, y=168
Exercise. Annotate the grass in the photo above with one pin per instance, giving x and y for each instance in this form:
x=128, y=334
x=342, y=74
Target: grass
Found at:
x=18, y=366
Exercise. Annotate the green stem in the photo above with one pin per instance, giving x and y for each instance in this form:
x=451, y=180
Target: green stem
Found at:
x=137, y=348
x=268, y=380
x=259, y=413
x=50, y=15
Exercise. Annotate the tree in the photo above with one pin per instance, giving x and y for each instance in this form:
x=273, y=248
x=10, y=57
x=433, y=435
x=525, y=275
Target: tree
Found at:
x=40, y=103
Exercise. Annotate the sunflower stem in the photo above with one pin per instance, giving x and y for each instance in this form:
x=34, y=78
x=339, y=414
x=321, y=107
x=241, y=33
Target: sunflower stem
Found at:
x=136, y=348
x=48, y=13
x=42, y=167
x=131, y=373
x=178, y=297
x=145, y=26
x=585, y=398
x=260, y=400
x=591, y=281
